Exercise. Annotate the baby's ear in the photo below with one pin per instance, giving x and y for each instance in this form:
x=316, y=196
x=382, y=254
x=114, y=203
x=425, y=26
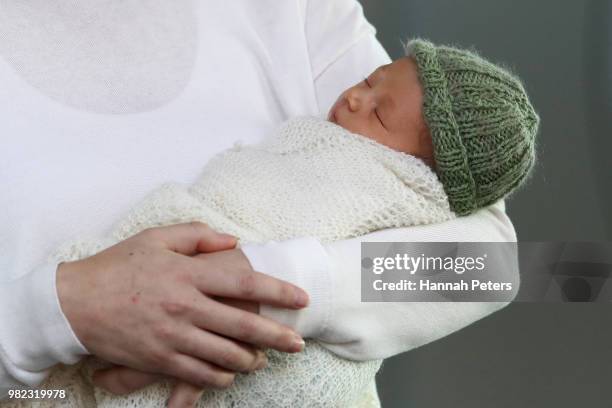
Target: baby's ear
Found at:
x=426, y=144
x=429, y=161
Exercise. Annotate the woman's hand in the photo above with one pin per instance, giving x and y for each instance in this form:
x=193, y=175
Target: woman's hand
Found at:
x=146, y=304
x=123, y=380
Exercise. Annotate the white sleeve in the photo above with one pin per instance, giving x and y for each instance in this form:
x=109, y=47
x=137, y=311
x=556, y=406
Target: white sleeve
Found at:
x=342, y=46
x=359, y=330
x=34, y=333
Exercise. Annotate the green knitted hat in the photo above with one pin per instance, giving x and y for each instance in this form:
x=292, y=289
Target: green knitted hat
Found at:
x=482, y=125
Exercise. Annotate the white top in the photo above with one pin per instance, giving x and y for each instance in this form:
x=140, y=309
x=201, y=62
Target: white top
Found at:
x=86, y=86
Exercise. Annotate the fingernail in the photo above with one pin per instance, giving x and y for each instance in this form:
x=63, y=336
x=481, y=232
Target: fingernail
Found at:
x=301, y=298
x=298, y=343
x=262, y=364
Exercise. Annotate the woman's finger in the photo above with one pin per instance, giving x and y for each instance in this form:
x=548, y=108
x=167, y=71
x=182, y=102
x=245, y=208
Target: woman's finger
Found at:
x=229, y=274
x=219, y=350
x=200, y=373
x=244, y=326
x=184, y=395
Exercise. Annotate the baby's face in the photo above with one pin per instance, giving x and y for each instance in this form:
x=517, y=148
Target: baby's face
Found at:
x=387, y=107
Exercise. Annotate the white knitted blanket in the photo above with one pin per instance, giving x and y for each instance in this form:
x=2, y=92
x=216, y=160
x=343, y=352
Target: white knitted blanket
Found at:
x=312, y=178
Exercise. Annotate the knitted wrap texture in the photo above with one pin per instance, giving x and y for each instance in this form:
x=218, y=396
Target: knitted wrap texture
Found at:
x=313, y=178
x=482, y=125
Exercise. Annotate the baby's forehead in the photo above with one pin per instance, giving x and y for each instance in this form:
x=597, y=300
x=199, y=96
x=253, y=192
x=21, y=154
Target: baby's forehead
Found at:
x=403, y=72
x=404, y=92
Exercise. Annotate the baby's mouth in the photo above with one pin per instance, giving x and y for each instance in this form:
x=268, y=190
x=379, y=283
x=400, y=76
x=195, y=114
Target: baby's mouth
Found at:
x=332, y=116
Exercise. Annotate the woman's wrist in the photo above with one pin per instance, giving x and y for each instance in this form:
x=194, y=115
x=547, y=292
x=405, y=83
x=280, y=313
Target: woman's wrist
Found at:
x=305, y=263
x=68, y=285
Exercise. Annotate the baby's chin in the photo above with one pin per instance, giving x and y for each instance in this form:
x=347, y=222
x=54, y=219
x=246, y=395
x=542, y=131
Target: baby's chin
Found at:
x=334, y=122
x=333, y=119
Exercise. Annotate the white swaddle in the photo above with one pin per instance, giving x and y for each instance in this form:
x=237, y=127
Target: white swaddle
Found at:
x=312, y=178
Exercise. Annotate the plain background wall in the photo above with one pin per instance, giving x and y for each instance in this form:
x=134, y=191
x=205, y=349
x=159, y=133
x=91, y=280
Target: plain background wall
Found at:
x=527, y=355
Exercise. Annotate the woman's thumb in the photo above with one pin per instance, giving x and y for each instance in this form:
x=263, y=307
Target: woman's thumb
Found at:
x=121, y=380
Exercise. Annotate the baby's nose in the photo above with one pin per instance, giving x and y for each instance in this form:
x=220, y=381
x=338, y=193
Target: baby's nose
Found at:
x=358, y=99
x=355, y=99
x=353, y=102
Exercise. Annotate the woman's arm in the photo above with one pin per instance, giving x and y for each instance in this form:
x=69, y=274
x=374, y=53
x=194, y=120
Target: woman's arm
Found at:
x=337, y=317
x=34, y=334
x=362, y=331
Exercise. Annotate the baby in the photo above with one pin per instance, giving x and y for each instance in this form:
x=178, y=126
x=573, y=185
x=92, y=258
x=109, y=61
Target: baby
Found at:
x=436, y=134
x=468, y=119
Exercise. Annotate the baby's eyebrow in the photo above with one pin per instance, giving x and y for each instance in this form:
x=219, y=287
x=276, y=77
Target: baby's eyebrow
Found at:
x=377, y=71
x=383, y=68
